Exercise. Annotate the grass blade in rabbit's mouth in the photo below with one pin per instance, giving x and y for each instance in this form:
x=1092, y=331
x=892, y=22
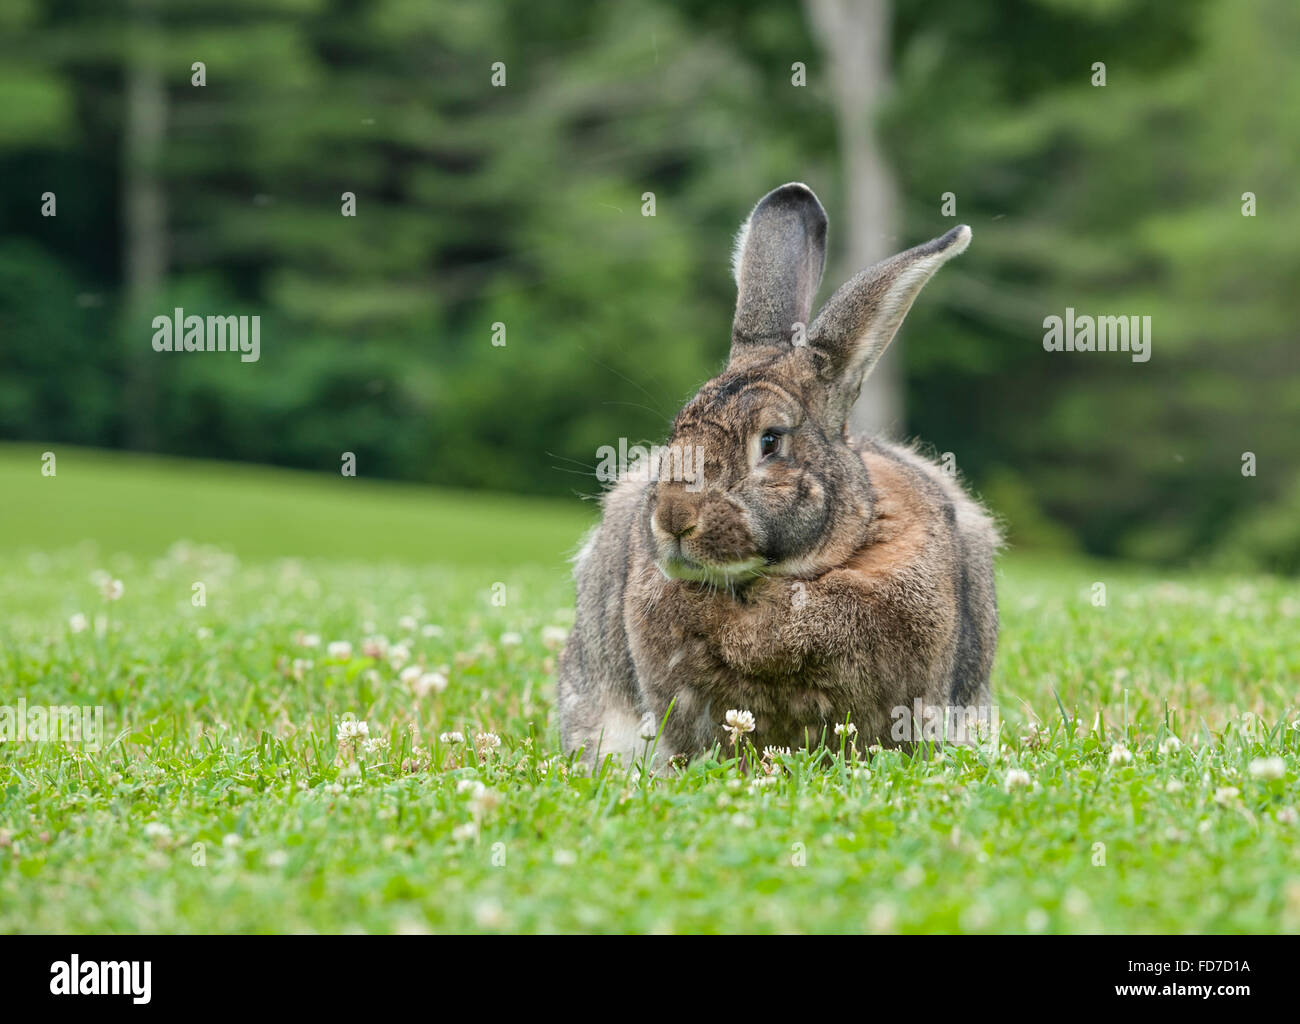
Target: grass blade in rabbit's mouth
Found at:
x=677, y=566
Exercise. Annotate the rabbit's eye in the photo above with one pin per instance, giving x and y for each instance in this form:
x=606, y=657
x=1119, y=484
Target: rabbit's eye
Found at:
x=769, y=443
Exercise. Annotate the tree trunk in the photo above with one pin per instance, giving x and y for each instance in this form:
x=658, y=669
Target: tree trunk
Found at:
x=854, y=36
x=144, y=218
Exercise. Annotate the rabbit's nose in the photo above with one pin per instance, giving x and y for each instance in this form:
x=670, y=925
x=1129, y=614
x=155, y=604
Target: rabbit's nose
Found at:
x=676, y=518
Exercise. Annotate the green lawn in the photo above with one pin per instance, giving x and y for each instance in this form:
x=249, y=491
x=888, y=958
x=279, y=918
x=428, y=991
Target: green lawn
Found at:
x=223, y=799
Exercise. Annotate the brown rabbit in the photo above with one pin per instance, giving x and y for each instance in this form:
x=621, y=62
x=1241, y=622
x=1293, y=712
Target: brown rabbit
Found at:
x=792, y=572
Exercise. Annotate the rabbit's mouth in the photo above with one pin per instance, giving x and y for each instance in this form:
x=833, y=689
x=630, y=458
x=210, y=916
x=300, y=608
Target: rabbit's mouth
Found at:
x=678, y=567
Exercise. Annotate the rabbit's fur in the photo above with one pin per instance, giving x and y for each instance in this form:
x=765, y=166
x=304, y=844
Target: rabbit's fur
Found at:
x=804, y=576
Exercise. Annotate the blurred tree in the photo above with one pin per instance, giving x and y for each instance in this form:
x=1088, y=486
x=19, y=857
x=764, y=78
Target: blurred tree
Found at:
x=855, y=35
x=144, y=207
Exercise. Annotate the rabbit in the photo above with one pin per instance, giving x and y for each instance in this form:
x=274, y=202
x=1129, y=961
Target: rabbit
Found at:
x=795, y=573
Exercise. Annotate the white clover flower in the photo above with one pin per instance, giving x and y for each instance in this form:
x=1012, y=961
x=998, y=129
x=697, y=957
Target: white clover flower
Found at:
x=883, y=917
x=1226, y=795
x=157, y=830
x=340, y=649
x=1018, y=779
x=277, y=859
x=486, y=743
x=78, y=623
x=875, y=748
x=489, y=914
x=1120, y=754
x=398, y=655
x=1169, y=745
x=230, y=840
x=1288, y=816
x=553, y=637
x=113, y=590
x=374, y=646
x=472, y=786
x=427, y=682
x=430, y=630
x=1268, y=768
x=557, y=762
x=484, y=802
x=408, y=623
x=1173, y=786
x=511, y=639
x=203, y=633
x=841, y=729
x=564, y=858
x=309, y=640
x=451, y=737
x=410, y=674
x=372, y=745
x=738, y=724
x=351, y=730
x=467, y=831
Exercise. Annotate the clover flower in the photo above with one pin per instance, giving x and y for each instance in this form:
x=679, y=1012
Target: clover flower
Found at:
x=553, y=637
x=429, y=681
x=1268, y=768
x=738, y=724
x=486, y=743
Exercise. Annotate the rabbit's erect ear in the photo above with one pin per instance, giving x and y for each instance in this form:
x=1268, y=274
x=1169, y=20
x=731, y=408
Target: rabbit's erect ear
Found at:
x=778, y=262
x=860, y=320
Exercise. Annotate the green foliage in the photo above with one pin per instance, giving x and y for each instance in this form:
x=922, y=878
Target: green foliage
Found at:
x=523, y=206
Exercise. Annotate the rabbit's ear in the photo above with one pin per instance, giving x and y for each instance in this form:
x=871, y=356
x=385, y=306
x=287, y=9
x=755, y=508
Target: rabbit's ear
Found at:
x=777, y=263
x=860, y=320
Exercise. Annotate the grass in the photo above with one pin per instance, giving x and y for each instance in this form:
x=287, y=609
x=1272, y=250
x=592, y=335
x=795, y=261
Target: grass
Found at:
x=223, y=800
x=135, y=505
